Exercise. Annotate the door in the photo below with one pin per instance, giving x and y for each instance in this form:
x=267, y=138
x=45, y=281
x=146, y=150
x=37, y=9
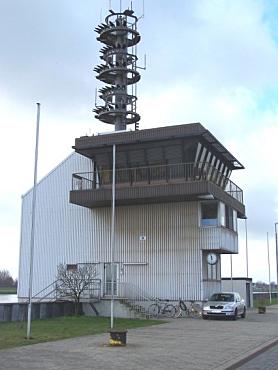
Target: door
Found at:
x=108, y=279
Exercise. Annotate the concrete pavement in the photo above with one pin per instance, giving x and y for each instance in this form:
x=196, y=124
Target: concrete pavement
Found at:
x=183, y=343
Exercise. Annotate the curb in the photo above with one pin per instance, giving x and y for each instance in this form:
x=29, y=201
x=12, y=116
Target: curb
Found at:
x=250, y=355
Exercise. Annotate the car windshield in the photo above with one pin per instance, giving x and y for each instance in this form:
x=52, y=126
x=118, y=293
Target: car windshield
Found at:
x=222, y=297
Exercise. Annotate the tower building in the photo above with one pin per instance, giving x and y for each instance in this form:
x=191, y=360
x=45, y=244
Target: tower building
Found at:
x=176, y=206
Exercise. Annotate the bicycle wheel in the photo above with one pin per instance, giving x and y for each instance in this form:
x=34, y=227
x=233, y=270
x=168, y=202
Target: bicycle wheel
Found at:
x=153, y=310
x=178, y=312
x=169, y=310
x=197, y=310
x=182, y=305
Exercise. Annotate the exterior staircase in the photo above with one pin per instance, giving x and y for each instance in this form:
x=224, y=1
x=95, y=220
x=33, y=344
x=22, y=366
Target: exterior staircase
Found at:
x=137, y=309
x=136, y=300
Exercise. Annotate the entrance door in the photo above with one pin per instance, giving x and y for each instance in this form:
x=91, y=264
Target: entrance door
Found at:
x=108, y=278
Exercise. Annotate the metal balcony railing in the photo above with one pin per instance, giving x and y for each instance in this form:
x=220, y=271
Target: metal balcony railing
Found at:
x=153, y=175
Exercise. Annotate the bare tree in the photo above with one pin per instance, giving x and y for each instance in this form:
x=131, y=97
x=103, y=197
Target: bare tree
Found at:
x=73, y=280
x=6, y=279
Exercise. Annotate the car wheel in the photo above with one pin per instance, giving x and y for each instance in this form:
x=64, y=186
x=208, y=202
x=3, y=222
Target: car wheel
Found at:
x=204, y=317
x=243, y=315
x=235, y=315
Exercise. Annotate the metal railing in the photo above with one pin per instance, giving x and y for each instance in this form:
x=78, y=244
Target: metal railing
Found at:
x=135, y=298
x=151, y=175
x=60, y=291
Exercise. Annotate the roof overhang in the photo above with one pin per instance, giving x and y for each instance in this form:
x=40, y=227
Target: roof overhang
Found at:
x=89, y=146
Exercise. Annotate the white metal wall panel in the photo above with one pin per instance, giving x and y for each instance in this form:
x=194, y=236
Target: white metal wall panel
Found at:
x=218, y=238
x=172, y=249
x=62, y=230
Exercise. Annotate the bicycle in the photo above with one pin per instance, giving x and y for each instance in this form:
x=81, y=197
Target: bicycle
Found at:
x=181, y=308
x=161, y=307
x=194, y=309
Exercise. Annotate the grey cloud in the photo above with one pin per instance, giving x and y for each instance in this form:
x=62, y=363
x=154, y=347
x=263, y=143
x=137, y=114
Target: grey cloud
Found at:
x=260, y=207
x=48, y=50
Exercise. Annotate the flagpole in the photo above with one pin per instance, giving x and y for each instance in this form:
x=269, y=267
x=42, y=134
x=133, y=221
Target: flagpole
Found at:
x=268, y=262
x=32, y=241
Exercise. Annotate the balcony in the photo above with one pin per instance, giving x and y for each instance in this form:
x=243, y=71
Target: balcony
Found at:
x=154, y=184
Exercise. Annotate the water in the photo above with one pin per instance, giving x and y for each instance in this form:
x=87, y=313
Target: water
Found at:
x=8, y=298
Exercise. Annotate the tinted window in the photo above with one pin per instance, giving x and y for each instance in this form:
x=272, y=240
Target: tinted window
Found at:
x=209, y=214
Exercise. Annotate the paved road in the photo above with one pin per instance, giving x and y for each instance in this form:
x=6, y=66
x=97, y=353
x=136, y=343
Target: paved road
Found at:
x=179, y=344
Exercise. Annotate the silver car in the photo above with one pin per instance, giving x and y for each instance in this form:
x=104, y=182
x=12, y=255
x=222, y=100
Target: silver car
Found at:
x=229, y=305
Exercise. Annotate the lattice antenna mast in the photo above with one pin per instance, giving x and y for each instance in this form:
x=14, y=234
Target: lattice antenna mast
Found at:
x=119, y=34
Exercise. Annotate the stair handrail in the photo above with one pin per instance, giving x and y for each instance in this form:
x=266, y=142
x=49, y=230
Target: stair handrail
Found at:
x=139, y=293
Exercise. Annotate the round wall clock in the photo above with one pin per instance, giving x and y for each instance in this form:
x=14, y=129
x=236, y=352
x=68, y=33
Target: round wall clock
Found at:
x=212, y=258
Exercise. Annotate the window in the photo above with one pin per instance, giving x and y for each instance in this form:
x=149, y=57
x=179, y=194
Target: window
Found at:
x=209, y=213
x=235, y=219
x=229, y=218
x=222, y=214
x=71, y=267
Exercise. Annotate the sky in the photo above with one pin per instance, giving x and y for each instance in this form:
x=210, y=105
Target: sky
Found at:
x=208, y=61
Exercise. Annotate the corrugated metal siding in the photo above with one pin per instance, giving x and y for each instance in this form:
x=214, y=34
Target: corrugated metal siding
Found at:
x=62, y=231
x=218, y=238
x=172, y=249
x=66, y=233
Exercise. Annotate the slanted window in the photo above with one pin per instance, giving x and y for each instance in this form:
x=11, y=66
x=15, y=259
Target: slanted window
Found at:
x=209, y=213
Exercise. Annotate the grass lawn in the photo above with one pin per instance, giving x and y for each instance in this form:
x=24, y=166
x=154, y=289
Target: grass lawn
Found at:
x=265, y=302
x=12, y=334
x=7, y=290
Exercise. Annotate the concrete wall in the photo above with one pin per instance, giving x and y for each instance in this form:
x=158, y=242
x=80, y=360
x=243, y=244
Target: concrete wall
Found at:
x=104, y=309
x=18, y=311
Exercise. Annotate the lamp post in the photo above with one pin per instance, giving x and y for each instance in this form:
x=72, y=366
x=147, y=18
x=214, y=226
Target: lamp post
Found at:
x=276, y=241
